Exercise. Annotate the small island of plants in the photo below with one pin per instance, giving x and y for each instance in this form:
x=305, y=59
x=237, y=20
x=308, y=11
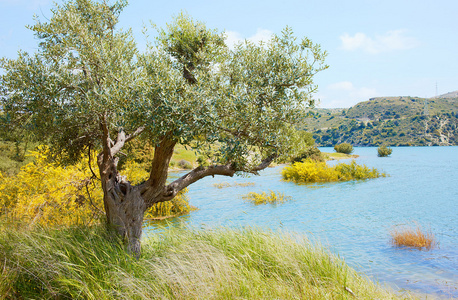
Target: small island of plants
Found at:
x=310, y=171
x=384, y=151
x=266, y=198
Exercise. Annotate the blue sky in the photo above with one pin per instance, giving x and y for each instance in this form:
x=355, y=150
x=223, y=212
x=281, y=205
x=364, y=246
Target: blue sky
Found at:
x=376, y=47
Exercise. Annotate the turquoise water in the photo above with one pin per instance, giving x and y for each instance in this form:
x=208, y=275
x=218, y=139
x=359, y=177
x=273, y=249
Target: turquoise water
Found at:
x=354, y=219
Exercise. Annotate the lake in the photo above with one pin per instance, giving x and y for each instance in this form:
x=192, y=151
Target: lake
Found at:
x=354, y=219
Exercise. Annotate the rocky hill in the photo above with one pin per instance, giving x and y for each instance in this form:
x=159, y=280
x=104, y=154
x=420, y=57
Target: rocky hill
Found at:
x=450, y=95
x=394, y=121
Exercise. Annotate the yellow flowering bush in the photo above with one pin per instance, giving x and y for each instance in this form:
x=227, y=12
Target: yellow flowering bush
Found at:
x=353, y=171
x=266, y=198
x=49, y=194
x=310, y=171
x=176, y=207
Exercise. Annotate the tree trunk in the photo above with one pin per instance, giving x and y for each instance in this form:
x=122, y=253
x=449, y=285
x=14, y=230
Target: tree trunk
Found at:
x=125, y=204
x=124, y=207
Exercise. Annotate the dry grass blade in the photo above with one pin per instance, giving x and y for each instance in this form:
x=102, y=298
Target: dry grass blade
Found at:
x=414, y=237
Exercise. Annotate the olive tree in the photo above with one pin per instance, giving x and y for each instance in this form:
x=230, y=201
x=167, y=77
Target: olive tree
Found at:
x=88, y=88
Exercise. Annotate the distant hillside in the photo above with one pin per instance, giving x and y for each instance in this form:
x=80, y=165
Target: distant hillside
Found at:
x=450, y=95
x=395, y=121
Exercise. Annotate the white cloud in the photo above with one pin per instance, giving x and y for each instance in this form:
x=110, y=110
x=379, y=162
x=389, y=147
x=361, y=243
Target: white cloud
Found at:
x=344, y=94
x=233, y=38
x=389, y=41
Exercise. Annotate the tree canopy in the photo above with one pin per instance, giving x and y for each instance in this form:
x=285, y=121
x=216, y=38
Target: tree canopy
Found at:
x=88, y=88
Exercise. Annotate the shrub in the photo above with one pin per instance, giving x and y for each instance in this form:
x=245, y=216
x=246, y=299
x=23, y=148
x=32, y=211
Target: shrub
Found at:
x=176, y=207
x=310, y=171
x=235, y=184
x=384, y=151
x=413, y=237
x=353, y=171
x=344, y=148
x=265, y=198
x=312, y=153
x=47, y=193
x=184, y=164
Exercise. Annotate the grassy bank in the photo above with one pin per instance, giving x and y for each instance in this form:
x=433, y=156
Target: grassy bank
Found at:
x=338, y=156
x=82, y=263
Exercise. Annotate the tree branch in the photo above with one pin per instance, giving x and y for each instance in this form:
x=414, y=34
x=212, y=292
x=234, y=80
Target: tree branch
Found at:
x=89, y=163
x=135, y=133
x=153, y=187
x=106, y=142
x=198, y=173
x=123, y=138
x=264, y=164
x=120, y=141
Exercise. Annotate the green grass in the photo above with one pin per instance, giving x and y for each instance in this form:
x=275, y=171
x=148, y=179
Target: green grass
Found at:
x=12, y=158
x=85, y=263
x=183, y=153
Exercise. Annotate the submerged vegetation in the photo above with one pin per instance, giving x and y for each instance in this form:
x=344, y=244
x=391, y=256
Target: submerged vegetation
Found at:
x=310, y=171
x=414, y=237
x=88, y=263
x=384, y=151
x=344, y=148
x=266, y=198
x=223, y=185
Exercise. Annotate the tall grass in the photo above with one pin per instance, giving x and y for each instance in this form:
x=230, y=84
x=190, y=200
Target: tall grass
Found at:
x=413, y=236
x=86, y=263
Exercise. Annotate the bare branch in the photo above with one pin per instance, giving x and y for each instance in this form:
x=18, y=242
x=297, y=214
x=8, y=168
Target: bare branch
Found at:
x=123, y=138
x=200, y=172
x=264, y=164
x=106, y=141
x=89, y=163
x=120, y=141
x=135, y=133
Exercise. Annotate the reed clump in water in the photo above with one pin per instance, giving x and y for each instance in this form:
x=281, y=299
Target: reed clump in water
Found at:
x=413, y=236
x=267, y=198
x=223, y=185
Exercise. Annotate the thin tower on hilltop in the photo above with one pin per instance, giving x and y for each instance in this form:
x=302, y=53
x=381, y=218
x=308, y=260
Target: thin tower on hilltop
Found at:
x=426, y=110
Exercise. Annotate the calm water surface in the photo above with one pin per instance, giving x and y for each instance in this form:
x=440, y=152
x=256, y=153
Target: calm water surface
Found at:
x=354, y=219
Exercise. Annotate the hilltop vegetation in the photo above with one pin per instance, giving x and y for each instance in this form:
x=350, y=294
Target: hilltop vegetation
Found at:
x=394, y=121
